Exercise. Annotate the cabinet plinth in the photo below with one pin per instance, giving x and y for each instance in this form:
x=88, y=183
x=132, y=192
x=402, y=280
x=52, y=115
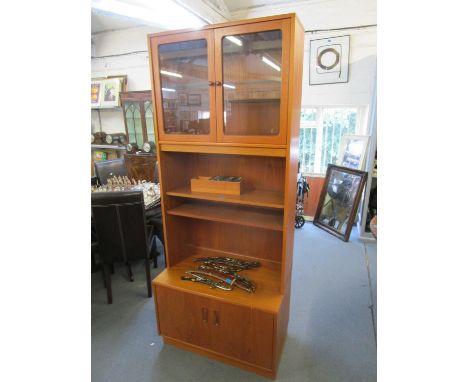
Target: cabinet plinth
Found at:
x=227, y=99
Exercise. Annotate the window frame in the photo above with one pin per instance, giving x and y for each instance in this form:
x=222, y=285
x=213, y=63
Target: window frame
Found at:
x=362, y=128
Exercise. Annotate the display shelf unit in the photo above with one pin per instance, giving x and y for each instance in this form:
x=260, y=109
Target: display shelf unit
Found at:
x=234, y=215
x=242, y=329
x=255, y=198
x=108, y=147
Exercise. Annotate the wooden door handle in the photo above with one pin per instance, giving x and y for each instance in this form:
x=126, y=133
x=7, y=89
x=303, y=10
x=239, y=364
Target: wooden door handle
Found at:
x=211, y=83
x=218, y=83
x=205, y=315
x=216, y=318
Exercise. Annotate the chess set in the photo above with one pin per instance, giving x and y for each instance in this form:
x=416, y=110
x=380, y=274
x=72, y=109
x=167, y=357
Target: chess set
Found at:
x=151, y=192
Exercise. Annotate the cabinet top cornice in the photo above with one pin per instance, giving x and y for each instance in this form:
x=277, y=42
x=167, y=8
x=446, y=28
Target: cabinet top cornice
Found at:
x=291, y=16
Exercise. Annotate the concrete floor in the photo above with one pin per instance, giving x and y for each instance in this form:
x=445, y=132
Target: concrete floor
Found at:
x=331, y=334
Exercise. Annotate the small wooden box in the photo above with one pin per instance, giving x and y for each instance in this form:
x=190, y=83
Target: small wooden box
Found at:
x=206, y=184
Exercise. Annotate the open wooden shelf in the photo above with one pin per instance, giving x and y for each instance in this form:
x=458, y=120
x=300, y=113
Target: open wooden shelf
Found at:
x=257, y=198
x=267, y=219
x=267, y=279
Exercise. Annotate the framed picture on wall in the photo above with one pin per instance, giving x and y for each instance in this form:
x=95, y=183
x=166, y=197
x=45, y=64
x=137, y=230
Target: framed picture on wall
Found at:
x=110, y=92
x=95, y=94
x=353, y=151
x=194, y=99
x=105, y=91
x=328, y=60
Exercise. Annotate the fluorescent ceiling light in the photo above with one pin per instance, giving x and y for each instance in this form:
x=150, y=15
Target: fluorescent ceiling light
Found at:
x=271, y=63
x=235, y=40
x=173, y=74
x=229, y=86
x=165, y=13
x=168, y=90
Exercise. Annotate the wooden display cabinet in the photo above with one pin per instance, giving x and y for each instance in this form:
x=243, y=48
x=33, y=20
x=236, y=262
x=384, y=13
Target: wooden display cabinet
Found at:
x=251, y=131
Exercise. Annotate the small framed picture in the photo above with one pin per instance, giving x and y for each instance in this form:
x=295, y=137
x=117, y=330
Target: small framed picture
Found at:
x=95, y=93
x=182, y=99
x=110, y=92
x=328, y=60
x=194, y=99
x=353, y=151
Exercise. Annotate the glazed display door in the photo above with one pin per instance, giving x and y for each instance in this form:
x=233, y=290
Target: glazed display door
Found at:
x=183, y=68
x=252, y=69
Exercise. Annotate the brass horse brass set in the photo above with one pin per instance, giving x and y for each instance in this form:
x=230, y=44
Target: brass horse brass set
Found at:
x=218, y=268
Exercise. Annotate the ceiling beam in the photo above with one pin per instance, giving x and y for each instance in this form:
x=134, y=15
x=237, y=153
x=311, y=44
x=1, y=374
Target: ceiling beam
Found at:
x=208, y=11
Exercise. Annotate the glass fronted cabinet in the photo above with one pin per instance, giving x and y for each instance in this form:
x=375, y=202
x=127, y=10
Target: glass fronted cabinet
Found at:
x=139, y=119
x=252, y=64
x=184, y=81
x=225, y=85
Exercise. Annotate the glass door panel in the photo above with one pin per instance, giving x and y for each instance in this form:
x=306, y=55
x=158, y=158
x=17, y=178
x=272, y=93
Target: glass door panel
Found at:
x=134, y=127
x=186, y=82
x=253, y=67
x=148, y=107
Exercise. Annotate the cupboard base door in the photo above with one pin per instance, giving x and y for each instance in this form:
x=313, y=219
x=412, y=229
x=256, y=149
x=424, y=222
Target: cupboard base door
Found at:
x=183, y=316
x=235, y=332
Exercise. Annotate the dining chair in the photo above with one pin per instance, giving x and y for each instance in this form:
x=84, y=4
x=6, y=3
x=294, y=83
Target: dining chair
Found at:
x=108, y=168
x=123, y=236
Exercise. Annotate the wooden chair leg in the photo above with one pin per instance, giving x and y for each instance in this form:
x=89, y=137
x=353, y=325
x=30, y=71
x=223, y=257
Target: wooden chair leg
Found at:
x=103, y=275
x=148, y=276
x=155, y=252
x=129, y=271
x=108, y=283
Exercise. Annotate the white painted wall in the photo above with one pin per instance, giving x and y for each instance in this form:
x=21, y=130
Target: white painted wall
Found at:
x=314, y=14
x=135, y=66
x=328, y=14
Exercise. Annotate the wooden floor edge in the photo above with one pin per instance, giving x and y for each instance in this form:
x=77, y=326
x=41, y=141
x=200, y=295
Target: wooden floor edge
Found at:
x=218, y=357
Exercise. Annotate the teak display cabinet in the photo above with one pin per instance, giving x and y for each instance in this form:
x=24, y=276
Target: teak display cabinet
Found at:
x=228, y=103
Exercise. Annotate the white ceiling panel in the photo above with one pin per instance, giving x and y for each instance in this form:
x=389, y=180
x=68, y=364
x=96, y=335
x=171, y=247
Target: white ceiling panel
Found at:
x=104, y=23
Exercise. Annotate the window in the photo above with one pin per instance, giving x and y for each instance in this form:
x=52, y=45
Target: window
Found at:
x=321, y=132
